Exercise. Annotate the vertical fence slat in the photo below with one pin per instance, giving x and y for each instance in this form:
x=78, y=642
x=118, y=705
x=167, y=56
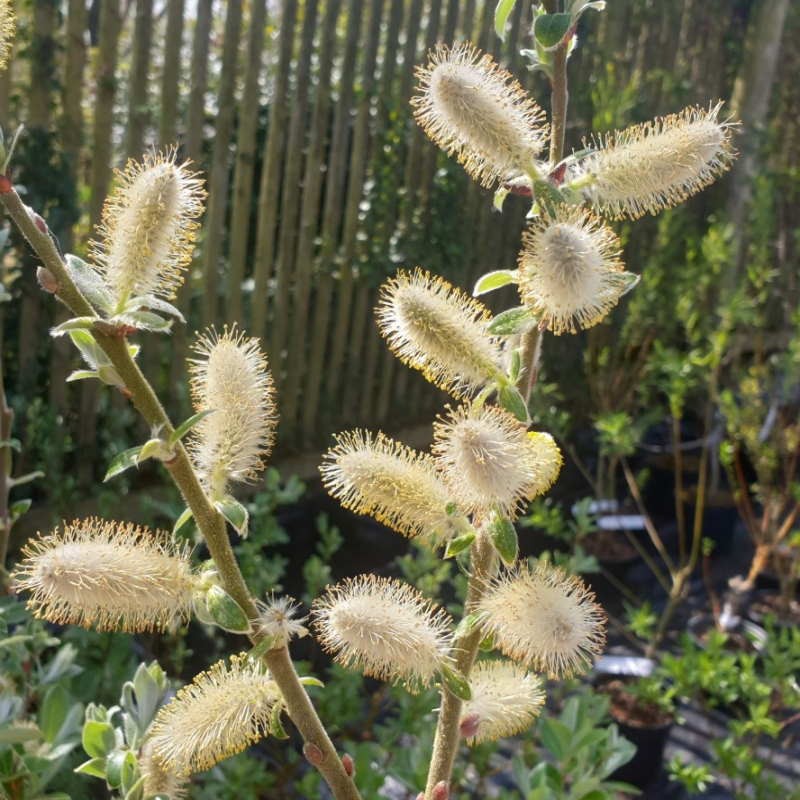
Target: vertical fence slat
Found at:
x=245, y=162
x=170, y=91
x=138, y=107
x=291, y=194
x=271, y=170
x=195, y=126
x=359, y=154
x=220, y=172
x=331, y=220
x=309, y=217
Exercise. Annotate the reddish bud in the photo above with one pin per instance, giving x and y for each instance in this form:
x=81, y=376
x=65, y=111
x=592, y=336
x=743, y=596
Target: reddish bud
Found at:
x=349, y=765
x=421, y=796
x=557, y=175
x=520, y=186
x=441, y=791
x=313, y=754
x=469, y=725
x=47, y=281
x=6, y=187
x=39, y=222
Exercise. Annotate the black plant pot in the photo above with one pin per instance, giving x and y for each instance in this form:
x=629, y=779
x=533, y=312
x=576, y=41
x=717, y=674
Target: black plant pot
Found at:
x=645, y=767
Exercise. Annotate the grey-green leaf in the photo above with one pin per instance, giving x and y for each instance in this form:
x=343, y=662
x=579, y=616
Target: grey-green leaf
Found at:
x=494, y=280
x=511, y=321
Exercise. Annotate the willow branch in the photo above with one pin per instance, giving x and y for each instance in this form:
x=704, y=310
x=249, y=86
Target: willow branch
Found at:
x=210, y=522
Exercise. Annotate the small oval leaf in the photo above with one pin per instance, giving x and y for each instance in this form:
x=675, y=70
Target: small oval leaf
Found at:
x=494, y=280
x=514, y=320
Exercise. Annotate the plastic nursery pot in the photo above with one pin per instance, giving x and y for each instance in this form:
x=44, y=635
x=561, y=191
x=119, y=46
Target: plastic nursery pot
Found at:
x=647, y=727
x=769, y=603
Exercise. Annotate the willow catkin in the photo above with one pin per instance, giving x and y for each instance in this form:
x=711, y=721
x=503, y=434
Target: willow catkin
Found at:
x=436, y=328
x=384, y=628
x=373, y=474
x=476, y=111
x=545, y=619
x=230, y=377
x=220, y=713
x=107, y=575
x=505, y=701
x=148, y=229
x=658, y=164
x=570, y=271
x=489, y=459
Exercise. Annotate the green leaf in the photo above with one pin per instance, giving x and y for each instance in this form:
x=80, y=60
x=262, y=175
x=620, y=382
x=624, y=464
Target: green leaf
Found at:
x=145, y=320
x=14, y=444
x=19, y=508
x=631, y=281
x=500, y=198
x=74, y=324
x=514, y=320
x=98, y=739
x=122, y=461
x=467, y=625
x=275, y=725
x=187, y=425
x=225, y=611
x=155, y=448
x=459, y=544
x=511, y=400
x=96, y=767
x=81, y=375
x=235, y=513
x=310, y=680
x=26, y=478
x=114, y=768
x=182, y=520
x=550, y=29
x=455, y=682
x=494, y=280
x=504, y=539
x=13, y=734
x=53, y=712
x=129, y=774
x=515, y=365
x=501, y=14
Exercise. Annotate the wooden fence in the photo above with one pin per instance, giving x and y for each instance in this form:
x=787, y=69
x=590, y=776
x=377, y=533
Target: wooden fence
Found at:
x=319, y=183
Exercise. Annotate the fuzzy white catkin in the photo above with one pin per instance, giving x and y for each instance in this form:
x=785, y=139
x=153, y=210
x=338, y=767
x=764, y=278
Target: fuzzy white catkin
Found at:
x=476, y=111
x=489, y=459
x=230, y=378
x=373, y=474
x=570, y=271
x=384, y=628
x=220, y=713
x=658, y=164
x=545, y=619
x=149, y=226
x=107, y=575
x=437, y=329
x=8, y=26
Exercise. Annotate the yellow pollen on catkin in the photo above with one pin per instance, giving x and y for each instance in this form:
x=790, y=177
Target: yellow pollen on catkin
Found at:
x=156, y=779
x=373, y=474
x=570, y=271
x=506, y=699
x=478, y=112
x=106, y=575
x=230, y=377
x=149, y=226
x=439, y=330
x=545, y=619
x=489, y=459
x=658, y=164
x=220, y=713
x=384, y=628
x=8, y=27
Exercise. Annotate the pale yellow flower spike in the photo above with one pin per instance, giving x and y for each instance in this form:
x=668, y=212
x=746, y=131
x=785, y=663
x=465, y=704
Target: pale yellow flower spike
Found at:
x=489, y=459
x=436, y=328
x=8, y=27
x=157, y=780
x=384, y=628
x=506, y=699
x=478, y=112
x=570, y=272
x=658, y=164
x=146, y=238
x=220, y=713
x=231, y=378
x=110, y=576
x=545, y=619
x=398, y=486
